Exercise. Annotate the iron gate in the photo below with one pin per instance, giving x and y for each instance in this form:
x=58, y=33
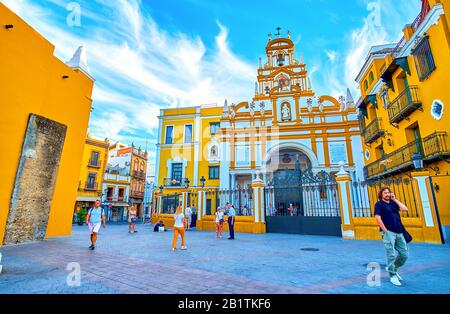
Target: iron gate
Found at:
x=302, y=202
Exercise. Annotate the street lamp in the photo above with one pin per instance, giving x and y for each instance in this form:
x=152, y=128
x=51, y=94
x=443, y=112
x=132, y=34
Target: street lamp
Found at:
x=418, y=161
x=186, y=183
x=202, y=182
x=161, y=189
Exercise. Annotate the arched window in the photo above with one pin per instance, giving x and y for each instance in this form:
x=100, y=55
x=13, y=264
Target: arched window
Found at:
x=371, y=77
x=136, y=164
x=366, y=85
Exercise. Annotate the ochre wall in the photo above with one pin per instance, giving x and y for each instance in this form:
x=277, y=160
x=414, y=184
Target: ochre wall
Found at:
x=31, y=82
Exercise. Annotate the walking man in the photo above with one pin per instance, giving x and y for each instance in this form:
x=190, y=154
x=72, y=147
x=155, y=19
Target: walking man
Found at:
x=387, y=211
x=188, y=217
x=94, y=220
x=231, y=220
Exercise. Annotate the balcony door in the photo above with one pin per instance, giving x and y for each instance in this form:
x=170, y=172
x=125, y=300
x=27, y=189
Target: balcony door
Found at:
x=177, y=172
x=417, y=139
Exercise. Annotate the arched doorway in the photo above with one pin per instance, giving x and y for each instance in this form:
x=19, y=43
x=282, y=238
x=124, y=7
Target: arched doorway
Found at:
x=298, y=200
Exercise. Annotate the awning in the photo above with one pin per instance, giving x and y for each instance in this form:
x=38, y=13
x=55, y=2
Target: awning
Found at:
x=395, y=64
x=86, y=198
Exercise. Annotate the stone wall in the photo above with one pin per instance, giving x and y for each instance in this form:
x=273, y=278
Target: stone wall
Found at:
x=35, y=180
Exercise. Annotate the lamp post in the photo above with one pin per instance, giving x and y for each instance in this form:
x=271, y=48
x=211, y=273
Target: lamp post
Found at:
x=186, y=183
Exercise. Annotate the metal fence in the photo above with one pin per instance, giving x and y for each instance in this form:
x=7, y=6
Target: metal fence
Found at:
x=240, y=198
x=313, y=196
x=364, y=195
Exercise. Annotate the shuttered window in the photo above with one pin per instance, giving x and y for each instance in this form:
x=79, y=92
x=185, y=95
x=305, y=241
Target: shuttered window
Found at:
x=423, y=58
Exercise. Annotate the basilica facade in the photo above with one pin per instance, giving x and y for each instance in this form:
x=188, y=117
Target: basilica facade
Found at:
x=285, y=125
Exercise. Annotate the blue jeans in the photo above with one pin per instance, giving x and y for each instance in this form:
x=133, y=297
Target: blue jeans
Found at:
x=395, y=242
x=231, y=225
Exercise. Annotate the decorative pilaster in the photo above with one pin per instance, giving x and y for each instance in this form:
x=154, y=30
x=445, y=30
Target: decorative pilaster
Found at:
x=201, y=207
x=427, y=210
x=344, y=183
x=258, y=205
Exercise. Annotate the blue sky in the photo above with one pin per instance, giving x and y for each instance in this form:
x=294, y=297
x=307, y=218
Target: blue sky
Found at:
x=152, y=54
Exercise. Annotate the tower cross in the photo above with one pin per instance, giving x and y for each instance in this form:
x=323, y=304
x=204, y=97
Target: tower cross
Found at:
x=278, y=34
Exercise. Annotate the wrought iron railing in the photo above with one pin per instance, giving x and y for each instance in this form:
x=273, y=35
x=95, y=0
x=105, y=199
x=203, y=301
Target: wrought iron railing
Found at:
x=95, y=163
x=139, y=174
x=435, y=145
x=91, y=186
x=430, y=148
x=373, y=131
x=397, y=160
x=137, y=194
x=405, y=104
x=168, y=182
x=240, y=198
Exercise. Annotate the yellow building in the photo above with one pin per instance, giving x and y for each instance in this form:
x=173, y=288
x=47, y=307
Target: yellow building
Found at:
x=44, y=112
x=209, y=155
x=405, y=123
x=94, y=162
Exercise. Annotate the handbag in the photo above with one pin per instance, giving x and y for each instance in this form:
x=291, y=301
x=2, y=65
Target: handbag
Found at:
x=406, y=235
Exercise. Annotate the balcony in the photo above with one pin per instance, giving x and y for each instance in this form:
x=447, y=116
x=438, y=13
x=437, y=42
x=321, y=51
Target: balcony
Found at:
x=174, y=182
x=373, y=131
x=94, y=163
x=111, y=198
x=91, y=186
x=435, y=146
x=406, y=103
x=432, y=148
x=137, y=194
x=139, y=174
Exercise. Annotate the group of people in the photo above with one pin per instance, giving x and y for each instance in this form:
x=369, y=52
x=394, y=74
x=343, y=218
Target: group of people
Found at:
x=387, y=214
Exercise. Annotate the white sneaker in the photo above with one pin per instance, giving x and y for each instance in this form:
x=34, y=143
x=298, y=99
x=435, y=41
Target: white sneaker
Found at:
x=396, y=274
x=395, y=281
x=173, y=249
x=184, y=248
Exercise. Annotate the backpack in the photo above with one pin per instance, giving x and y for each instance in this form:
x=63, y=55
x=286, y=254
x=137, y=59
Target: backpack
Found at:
x=92, y=208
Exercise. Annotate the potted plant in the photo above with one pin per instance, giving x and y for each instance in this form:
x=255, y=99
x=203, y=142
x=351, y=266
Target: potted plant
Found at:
x=81, y=215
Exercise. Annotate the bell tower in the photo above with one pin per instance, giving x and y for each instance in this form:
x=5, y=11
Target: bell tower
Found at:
x=282, y=80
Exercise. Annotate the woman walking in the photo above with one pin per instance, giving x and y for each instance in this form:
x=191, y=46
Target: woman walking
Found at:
x=132, y=219
x=219, y=222
x=179, y=228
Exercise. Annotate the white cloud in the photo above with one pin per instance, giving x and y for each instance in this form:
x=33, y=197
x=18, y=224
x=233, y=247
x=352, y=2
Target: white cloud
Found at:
x=139, y=67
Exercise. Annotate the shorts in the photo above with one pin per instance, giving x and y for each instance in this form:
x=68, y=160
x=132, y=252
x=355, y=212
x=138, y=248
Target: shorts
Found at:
x=94, y=227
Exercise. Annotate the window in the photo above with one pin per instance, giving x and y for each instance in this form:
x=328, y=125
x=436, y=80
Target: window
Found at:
x=366, y=85
x=371, y=78
x=169, y=134
x=177, y=171
x=214, y=128
x=94, y=158
x=188, y=133
x=424, y=60
x=90, y=184
x=214, y=173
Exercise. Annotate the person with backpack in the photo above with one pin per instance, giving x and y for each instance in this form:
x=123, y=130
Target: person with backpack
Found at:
x=94, y=220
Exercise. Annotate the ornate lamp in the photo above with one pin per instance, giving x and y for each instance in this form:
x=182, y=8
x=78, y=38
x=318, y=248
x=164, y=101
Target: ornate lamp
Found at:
x=186, y=183
x=418, y=161
x=202, y=181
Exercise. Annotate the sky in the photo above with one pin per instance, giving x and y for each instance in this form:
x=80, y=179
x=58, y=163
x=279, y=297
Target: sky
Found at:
x=146, y=55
